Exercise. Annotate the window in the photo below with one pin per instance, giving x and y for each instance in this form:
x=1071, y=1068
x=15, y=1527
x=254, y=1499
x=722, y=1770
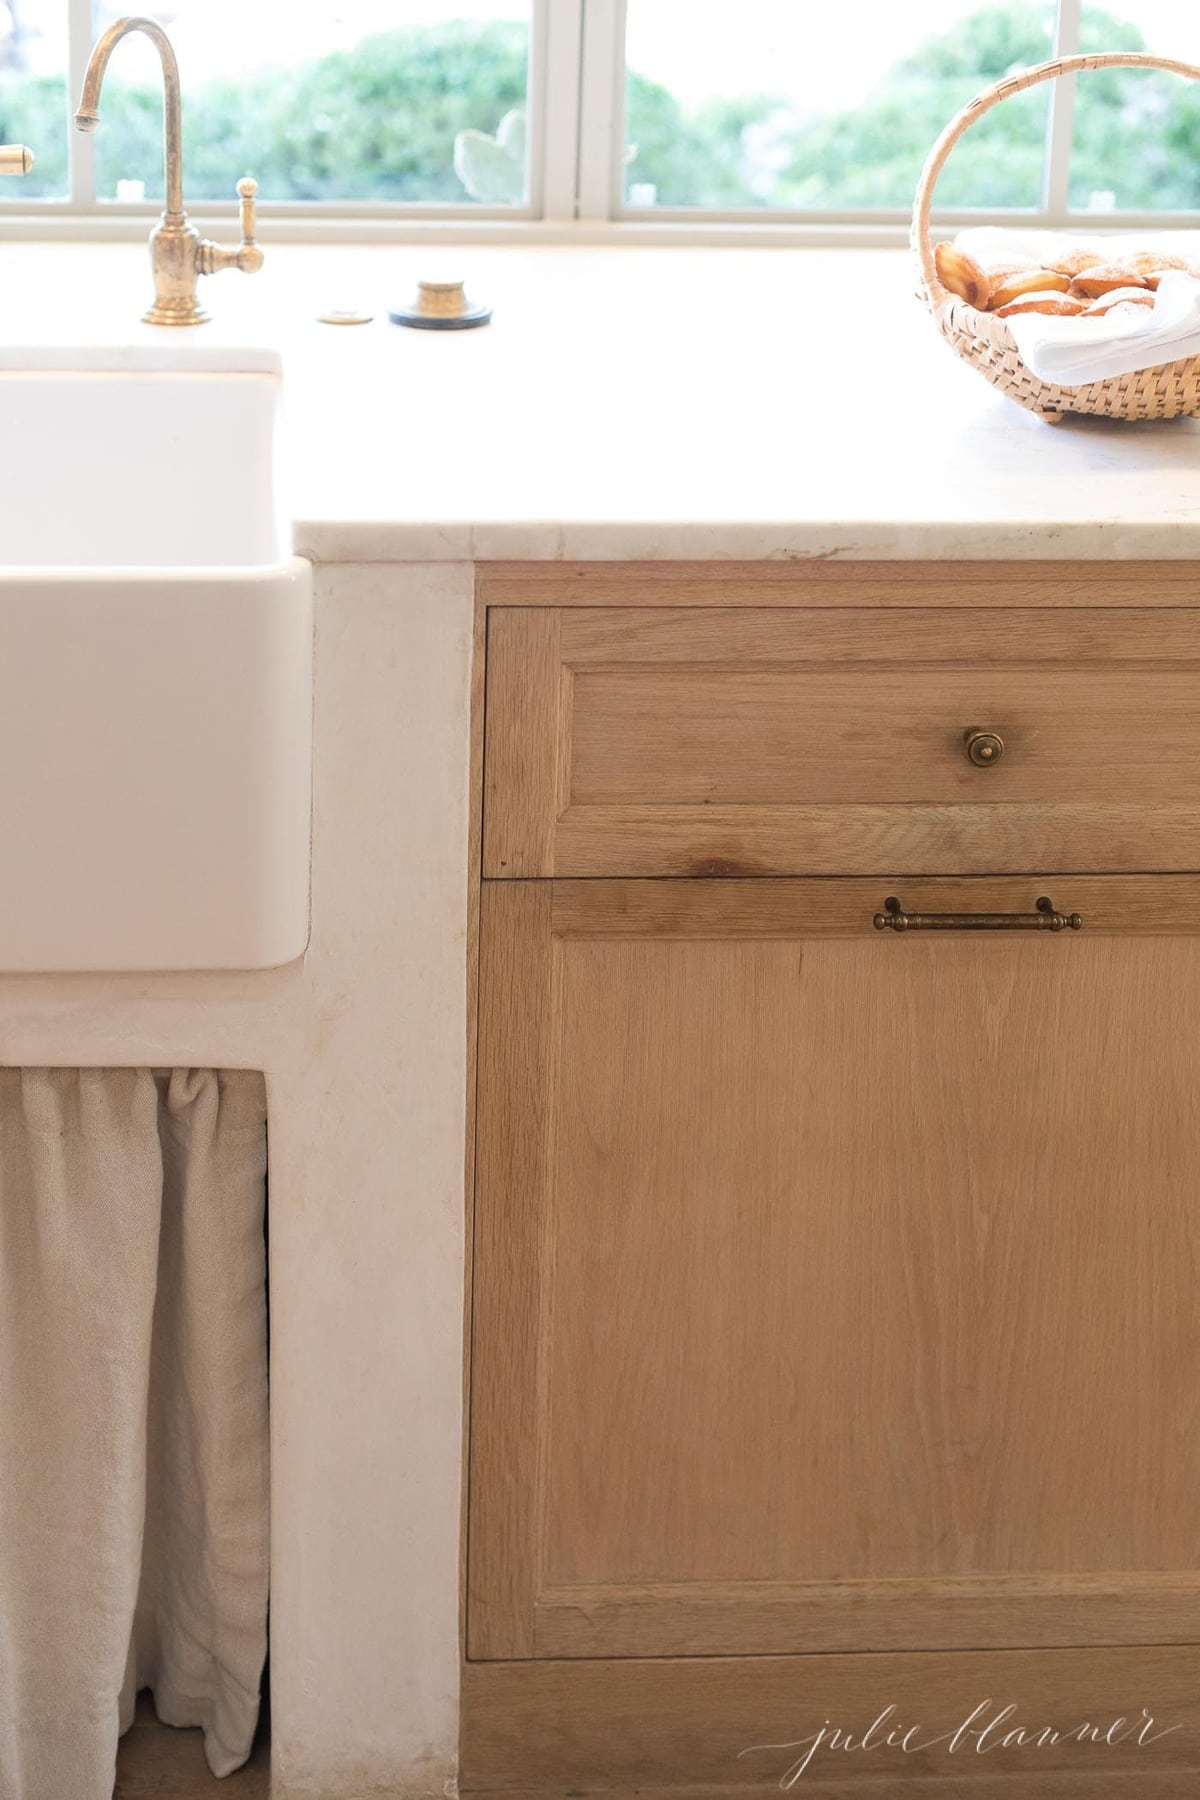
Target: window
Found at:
x=826, y=108
x=363, y=100
x=822, y=109
x=415, y=103
x=641, y=114
x=1136, y=137
x=33, y=90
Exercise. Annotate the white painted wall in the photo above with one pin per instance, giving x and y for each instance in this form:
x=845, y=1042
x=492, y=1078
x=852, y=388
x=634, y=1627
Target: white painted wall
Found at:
x=363, y=1044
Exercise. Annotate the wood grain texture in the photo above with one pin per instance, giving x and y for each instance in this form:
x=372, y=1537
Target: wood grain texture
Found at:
x=781, y=1618
x=678, y=1728
x=1111, y=905
x=808, y=637
x=966, y=839
x=802, y=582
x=1111, y=1784
x=818, y=1293
x=818, y=1259
x=515, y=1084
x=690, y=742
x=527, y=731
x=474, y=872
x=798, y=737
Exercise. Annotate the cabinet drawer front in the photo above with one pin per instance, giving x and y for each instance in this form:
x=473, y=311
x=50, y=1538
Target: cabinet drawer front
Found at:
x=689, y=741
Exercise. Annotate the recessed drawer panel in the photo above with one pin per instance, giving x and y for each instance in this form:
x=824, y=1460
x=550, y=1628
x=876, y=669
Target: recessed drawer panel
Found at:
x=680, y=741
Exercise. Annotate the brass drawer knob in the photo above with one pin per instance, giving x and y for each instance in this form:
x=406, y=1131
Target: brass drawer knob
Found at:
x=984, y=748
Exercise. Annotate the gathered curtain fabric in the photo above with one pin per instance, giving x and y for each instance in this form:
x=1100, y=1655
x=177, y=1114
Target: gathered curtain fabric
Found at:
x=133, y=1416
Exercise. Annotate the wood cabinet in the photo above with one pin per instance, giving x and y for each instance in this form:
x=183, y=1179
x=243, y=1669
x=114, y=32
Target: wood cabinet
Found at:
x=692, y=741
x=836, y=1294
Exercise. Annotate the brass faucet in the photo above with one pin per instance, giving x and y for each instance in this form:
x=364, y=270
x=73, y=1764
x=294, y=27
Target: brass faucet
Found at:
x=15, y=159
x=178, y=254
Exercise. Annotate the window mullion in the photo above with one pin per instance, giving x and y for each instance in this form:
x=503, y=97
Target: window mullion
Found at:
x=81, y=145
x=601, y=108
x=1061, y=121
x=559, y=28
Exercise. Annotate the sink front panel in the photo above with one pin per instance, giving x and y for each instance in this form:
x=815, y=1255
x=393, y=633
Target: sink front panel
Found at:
x=139, y=469
x=155, y=770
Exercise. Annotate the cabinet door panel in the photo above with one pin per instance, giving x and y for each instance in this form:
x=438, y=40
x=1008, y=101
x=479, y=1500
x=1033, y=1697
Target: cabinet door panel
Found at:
x=833, y=1291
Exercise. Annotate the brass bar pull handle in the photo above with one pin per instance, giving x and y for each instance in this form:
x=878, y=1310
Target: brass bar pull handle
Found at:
x=1045, y=918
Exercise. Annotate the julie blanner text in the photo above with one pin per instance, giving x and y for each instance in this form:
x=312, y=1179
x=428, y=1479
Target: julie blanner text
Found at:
x=988, y=1729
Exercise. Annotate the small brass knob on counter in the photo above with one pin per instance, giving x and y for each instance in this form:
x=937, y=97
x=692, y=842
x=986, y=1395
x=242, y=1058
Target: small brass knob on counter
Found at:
x=984, y=748
x=15, y=159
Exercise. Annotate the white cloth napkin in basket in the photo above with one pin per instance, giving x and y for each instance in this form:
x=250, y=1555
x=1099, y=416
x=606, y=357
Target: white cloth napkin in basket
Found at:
x=1073, y=351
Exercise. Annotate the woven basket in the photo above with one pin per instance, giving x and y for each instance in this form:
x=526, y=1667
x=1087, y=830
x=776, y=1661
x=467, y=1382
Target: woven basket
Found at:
x=986, y=342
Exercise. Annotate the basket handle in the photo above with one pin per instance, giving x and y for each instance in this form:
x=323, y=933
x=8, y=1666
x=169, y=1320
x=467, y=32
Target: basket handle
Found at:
x=935, y=293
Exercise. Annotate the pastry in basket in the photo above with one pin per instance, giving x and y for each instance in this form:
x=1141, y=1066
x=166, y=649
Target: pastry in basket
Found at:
x=1152, y=277
x=1148, y=263
x=1128, y=296
x=996, y=264
x=1104, y=278
x=1030, y=281
x=1074, y=262
x=1044, y=300
x=1126, y=309
x=960, y=274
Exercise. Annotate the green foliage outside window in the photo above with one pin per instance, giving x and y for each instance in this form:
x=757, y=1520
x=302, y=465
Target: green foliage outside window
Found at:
x=380, y=122
x=376, y=122
x=1137, y=134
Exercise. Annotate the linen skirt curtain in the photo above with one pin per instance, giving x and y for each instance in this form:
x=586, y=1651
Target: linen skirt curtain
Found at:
x=133, y=1416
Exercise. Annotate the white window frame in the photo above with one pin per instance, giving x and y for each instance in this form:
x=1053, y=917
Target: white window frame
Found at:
x=577, y=80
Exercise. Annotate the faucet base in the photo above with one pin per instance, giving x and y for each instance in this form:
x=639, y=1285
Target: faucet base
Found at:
x=176, y=312
x=175, y=265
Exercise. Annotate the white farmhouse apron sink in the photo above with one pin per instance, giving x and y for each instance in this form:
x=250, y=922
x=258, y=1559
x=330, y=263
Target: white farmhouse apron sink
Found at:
x=155, y=665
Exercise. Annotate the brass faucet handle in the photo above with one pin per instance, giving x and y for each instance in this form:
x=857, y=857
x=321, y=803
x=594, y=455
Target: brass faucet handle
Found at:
x=15, y=159
x=247, y=189
x=212, y=258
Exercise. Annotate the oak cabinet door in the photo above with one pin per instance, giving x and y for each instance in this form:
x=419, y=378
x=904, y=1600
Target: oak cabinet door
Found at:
x=834, y=1289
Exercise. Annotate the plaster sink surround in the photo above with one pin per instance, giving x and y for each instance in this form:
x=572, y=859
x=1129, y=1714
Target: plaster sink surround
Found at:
x=155, y=665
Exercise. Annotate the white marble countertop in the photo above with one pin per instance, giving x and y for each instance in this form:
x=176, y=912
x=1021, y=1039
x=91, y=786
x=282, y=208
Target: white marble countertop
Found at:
x=644, y=403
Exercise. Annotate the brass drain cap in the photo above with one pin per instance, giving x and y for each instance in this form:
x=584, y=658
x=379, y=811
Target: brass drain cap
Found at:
x=441, y=306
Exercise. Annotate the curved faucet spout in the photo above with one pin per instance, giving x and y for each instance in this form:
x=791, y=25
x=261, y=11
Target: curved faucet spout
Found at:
x=88, y=115
x=178, y=254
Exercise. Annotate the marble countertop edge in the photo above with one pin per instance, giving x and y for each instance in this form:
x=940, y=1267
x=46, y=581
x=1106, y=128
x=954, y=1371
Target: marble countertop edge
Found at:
x=384, y=541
